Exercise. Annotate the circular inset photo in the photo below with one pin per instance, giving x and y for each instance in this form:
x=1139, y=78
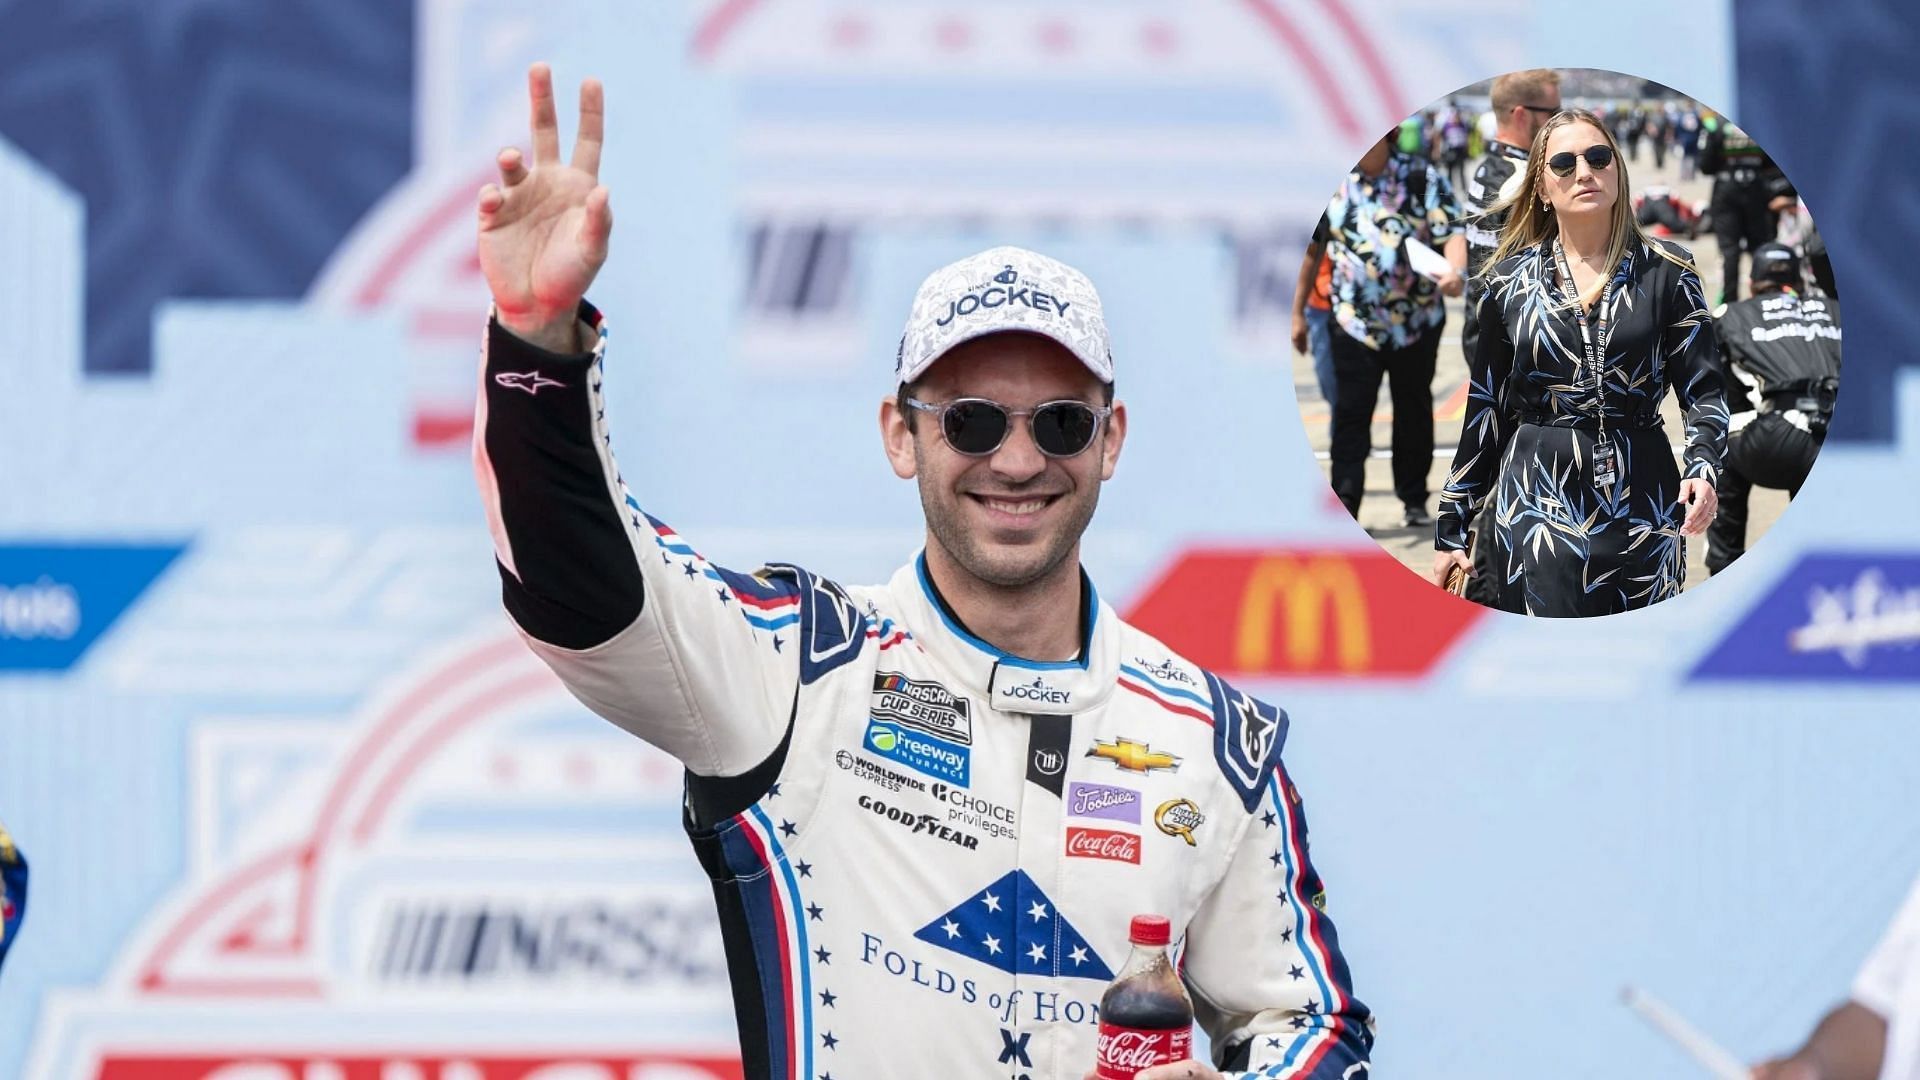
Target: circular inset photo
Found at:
x=1607, y=331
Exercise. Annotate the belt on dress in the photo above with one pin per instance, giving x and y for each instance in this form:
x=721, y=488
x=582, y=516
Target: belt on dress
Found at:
x=1589, y=423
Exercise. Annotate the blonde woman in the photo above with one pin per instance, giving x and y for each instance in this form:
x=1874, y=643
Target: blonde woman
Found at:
x=1584, y=325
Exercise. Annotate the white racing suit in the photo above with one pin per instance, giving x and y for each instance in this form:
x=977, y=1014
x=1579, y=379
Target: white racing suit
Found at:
x=925, y=852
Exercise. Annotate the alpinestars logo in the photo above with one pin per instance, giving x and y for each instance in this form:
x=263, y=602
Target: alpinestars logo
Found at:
x=530, y=381
x=1256, y=732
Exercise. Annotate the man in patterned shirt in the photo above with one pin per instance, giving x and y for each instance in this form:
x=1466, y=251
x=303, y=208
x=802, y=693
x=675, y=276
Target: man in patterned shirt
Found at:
x=1387, y=317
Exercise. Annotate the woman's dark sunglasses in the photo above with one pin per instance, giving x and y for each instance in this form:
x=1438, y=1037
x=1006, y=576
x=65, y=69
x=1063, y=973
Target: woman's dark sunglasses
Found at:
x=977, y=427
x=1598, y=156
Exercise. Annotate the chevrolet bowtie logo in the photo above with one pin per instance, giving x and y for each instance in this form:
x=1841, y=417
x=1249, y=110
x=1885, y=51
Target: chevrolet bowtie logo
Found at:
x=1133, y=756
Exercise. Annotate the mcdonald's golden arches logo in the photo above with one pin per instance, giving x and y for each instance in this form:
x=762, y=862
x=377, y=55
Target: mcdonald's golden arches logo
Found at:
x=1286, y=611
x=1324, y=608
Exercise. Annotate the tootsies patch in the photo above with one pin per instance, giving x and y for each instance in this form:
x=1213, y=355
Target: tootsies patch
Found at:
x=1103, y=801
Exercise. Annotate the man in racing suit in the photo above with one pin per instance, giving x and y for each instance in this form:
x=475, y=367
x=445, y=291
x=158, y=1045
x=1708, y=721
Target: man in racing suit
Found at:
x=928, y=807
x=1783, y=351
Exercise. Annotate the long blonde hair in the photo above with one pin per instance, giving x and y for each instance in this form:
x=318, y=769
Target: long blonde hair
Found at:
x=1530, y=222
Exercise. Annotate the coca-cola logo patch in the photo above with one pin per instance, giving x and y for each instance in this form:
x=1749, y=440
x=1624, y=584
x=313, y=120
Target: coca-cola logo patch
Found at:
x=1122, y=1052
x=1103, y=844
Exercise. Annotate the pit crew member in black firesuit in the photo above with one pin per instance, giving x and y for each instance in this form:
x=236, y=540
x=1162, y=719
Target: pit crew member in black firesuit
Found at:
x=1749, y=191
x=1783, y=351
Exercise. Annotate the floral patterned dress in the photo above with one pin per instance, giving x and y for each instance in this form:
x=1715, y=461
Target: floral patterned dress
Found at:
x=1566, y=543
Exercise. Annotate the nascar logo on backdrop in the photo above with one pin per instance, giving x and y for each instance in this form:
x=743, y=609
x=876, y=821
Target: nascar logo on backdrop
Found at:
x=472, y=846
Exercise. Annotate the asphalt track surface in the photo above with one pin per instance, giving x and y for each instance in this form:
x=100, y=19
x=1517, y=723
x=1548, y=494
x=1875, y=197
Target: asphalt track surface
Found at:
x=1380, y=511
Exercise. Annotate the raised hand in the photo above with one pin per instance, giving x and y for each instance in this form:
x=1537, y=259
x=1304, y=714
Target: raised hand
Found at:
x=544, y=230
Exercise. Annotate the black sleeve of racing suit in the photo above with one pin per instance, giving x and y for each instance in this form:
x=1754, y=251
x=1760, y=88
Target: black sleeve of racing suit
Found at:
x=641, y=627
x=574, y=582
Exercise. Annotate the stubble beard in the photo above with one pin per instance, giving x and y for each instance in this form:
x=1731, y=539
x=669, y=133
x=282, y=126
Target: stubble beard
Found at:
x=999, y=568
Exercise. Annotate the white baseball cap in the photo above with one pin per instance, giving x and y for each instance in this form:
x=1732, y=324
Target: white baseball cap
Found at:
x=1004, y=288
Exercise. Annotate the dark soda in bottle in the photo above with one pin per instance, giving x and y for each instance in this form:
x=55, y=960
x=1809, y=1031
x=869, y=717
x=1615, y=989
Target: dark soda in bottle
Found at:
x=1146, y=1018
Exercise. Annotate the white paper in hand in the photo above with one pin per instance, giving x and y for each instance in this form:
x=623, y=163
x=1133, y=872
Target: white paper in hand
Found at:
x=1425, y=261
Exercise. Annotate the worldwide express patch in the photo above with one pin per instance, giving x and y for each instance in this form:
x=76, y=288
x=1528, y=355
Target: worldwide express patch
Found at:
x=920, y=752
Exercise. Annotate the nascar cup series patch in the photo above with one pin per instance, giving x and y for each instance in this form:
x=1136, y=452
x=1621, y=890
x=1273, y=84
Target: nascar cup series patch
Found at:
x=922, y=704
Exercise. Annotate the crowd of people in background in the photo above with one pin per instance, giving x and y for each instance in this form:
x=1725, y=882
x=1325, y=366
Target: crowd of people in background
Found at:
x=1750, y=193
x=1452, y=134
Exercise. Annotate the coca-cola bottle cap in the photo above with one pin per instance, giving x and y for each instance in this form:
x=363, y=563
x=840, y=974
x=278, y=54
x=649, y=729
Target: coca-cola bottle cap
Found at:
x=1150, y=930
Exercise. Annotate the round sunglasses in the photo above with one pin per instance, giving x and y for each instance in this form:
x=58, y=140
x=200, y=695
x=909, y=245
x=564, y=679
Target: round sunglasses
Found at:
x=1598, y=156
x=977, y=427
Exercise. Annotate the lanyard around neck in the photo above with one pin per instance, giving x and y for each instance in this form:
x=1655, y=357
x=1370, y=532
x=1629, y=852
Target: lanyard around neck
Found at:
x=1592, y=338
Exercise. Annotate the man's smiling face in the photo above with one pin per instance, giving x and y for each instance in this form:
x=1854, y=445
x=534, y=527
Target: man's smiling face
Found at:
x=1011, y=517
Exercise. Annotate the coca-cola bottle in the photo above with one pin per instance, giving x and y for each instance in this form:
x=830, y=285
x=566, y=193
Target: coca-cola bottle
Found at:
x=1146, y=1018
